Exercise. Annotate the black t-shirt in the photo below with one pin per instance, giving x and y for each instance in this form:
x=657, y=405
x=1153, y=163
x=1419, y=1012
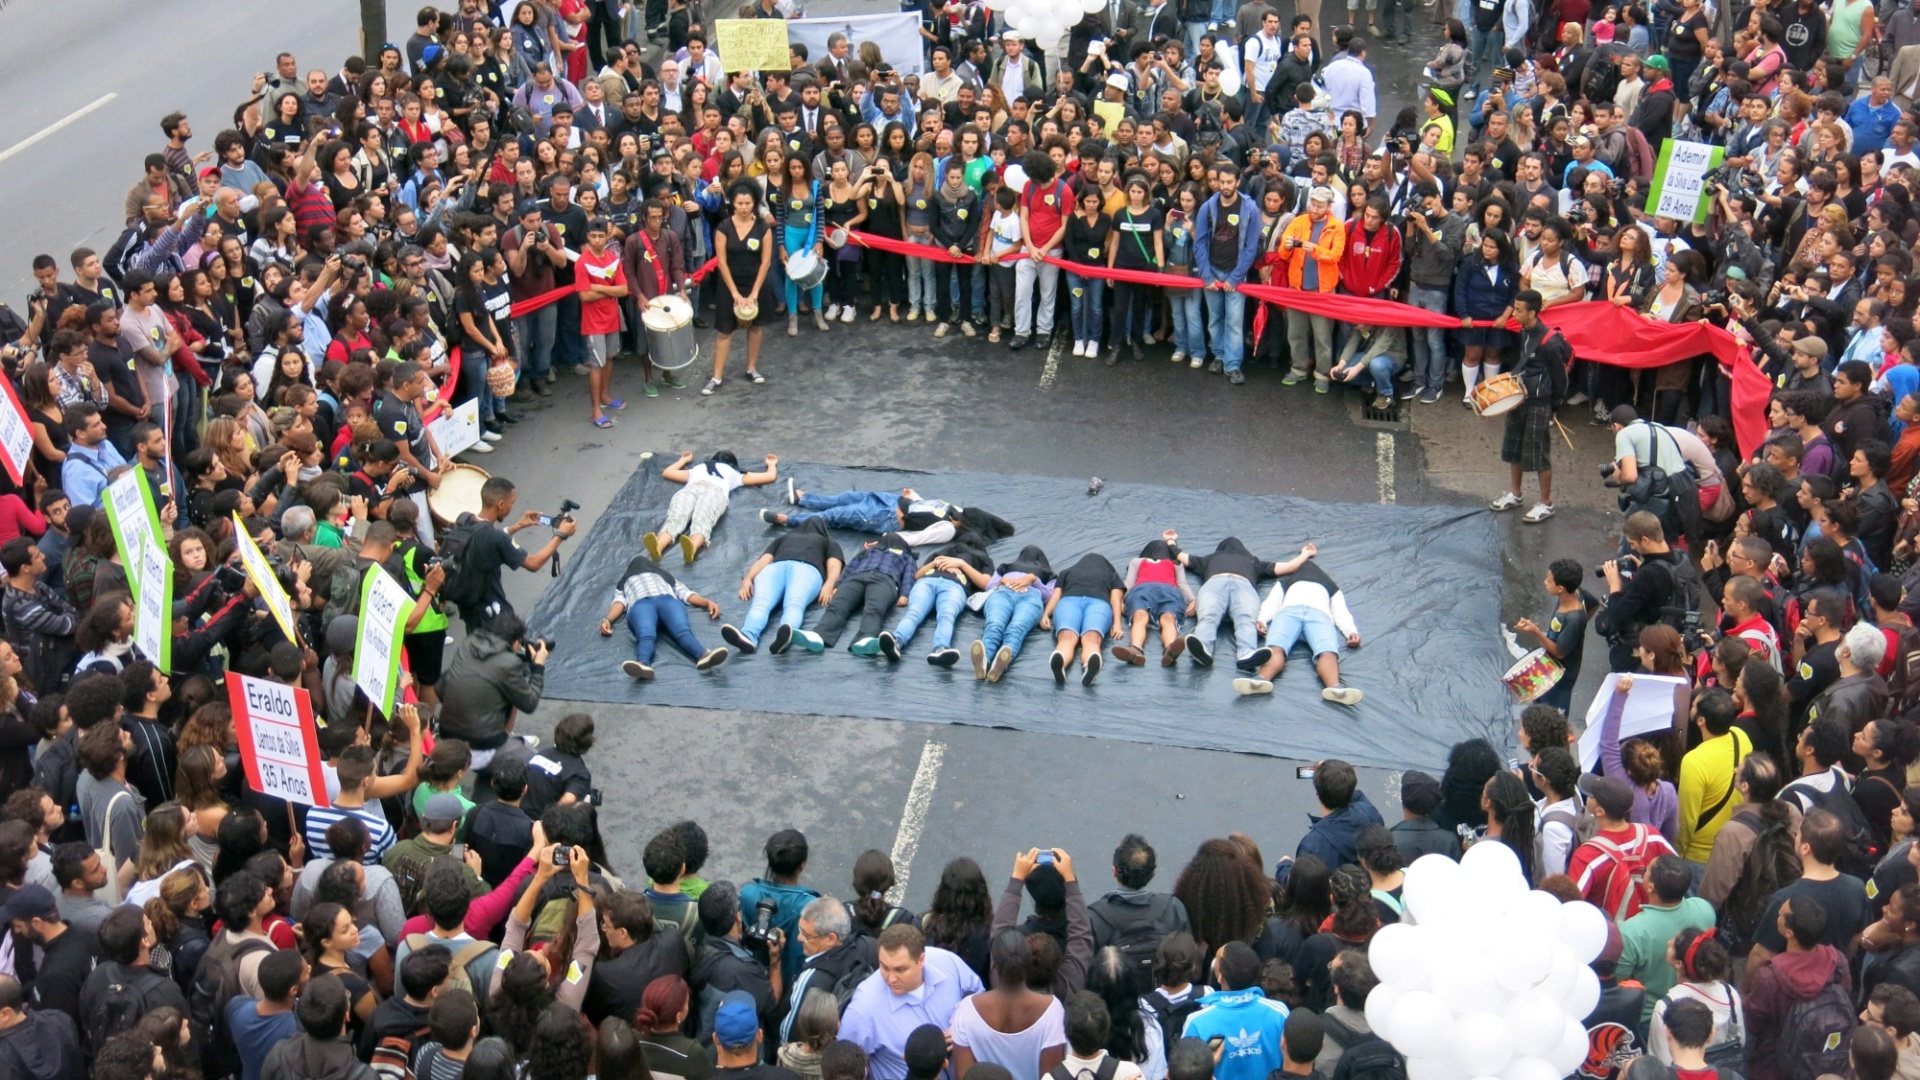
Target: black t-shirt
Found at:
x=1844, y=898
x=572, y=225
x=490, y=551
x=475, y=305
x=1684, y=45
x=1085, y=243
x=1136, y=232
x=502, y=835
x=617, y=983
x=968, y=554
x=806, y=546
x=1093, y=576
x=552, y=775
x=400, y=422
x=115, y=364
x=1234, y=560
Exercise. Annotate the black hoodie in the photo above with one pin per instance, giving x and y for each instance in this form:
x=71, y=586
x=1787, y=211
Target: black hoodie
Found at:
x=1093, y=576
x=44, y=1046
x=643, y=565
x=966, y=553
x=304, y=1057
x=1031, y=560
x=807, y=543
x=1230, y=556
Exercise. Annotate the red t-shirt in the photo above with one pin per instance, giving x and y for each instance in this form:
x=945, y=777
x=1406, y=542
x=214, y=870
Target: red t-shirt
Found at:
x=1046, y=209
x=600, y=316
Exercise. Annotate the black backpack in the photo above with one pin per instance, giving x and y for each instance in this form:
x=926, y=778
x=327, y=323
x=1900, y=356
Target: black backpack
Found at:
x=1903, y=685
x=1173, y=1018
x=462, y=587
x=1773, y=863
x=125, y=253
x=215, y=982
x=1815, y=1036
x=1364, y=1055
x=121, y=1006
x=849, y=981
x=1862, y=853
x=1109, y=1065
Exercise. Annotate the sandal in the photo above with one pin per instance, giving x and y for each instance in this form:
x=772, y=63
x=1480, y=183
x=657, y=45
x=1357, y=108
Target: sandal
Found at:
x=603, y=421
x=754, y=377
x=617, y=404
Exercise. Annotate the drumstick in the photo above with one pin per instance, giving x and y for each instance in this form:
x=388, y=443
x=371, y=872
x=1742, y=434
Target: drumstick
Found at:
x=1563, y=432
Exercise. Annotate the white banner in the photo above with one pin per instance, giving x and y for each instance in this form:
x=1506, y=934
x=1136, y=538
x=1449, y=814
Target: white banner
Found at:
x=153, y=615
x=897, y=34
x=456, y=428
x=16, y=435
x=384, y=607
x=1649, y=707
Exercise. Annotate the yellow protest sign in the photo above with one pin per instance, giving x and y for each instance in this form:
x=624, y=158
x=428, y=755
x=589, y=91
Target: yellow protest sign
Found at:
x=1112, y=112
x=752, y=44
x=261, y=572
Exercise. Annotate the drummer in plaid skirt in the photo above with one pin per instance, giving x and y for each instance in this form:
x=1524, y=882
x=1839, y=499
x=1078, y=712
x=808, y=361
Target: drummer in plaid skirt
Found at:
x=1527, y=445
x=656, y=266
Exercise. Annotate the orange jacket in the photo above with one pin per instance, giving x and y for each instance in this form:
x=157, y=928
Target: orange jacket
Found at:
x=1333, y=243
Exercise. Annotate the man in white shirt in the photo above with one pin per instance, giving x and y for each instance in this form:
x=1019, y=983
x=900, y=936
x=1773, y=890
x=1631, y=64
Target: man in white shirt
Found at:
x=1306, y=603
x=1558, y=814
x=1263, y=54
x=1350, y=84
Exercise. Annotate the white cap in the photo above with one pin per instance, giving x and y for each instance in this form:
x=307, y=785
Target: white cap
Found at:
x=1321, y=195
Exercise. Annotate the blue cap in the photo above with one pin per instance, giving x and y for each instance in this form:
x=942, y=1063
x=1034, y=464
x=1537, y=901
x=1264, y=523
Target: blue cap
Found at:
x=736, y=1022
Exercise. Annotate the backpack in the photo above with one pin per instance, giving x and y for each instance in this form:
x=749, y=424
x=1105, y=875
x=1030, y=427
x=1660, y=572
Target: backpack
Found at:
x=1816, y=1034
x=849, y=981
x=215, y=982
x=1773, y=862
x=1903, y=683
x=457, y=977
x=1729, y=1055
x=1862, y=852
x=1634, y=858
x=1139, y=939
x=1173, y=1018
x=1108, y=1066
x=126, y=252
x=1364, y=1056
x=1602, y=77
x=392, y=1057
x=119, y=1008
x=462, y=587
x=1583, y=824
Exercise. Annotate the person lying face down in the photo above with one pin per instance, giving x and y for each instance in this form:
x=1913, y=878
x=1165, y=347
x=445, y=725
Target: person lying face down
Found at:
x=696, y=508
x=1228, y=577
x=1081, y=613
x=796, y=568
x=1016, y=598
x=875, y=582
x=653, y=602
x=1309, y=603
x=1157, y=592
x=941, y=588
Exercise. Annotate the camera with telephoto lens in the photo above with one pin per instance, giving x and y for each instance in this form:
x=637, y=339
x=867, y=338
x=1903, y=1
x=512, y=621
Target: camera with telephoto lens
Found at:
x=762, y=928
x=1737, y=181
x=1718, y=298
x=353, y=263
x=1606, y=474
x=230, y=578
x=1578, y=214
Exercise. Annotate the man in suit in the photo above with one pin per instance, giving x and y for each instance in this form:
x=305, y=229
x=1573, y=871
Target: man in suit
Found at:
x=592, y=115
x=840, y=67
x=1112, y=22
x=1905, y=74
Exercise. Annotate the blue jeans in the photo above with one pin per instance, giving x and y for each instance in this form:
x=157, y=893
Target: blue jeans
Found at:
x=1189, y=321
x=569, y=347
x=1082, y=615
x=943, y=597
x=860, y=511
x=920, y=283
x=1086, y=294
x=791, y=584
x=534, y=334
x=1010, y=615
x=977, y=299
x=1484, y=45
x=1191, y=33
x=1221, y=11
x=661, y=613
x=1295, y=622
x=1429, y=344
x=796, y=239
x=1226, y=323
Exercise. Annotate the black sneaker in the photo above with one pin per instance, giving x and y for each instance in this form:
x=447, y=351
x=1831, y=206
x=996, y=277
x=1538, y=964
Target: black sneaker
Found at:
x=1019, y=342
x=1236, y=377
x=890, y=648
x=943, y=658
x=1092, y=670
x=1057, y=663
x=1199, y=651
x=505, y=417
x=1214, y=367
x=731, y=634
x=1254, y=659
x=782, y=638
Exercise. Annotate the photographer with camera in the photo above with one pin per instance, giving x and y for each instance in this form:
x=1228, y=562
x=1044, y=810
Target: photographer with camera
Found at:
x=725, y=964
x=1650, y=585
x=486, y=548
x=494, y=675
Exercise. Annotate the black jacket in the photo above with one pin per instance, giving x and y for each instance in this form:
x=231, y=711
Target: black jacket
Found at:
x=1852, y=422
x=502, y=834
x=1121, y=910
x=822, y=971
x=63, y=971
x=616, y=984
x=725, y=965
x=304, y=1057
x=45, y=1046
x=1545, y=357
x=486, y=681
x=394, y=1016
x=1289, y=73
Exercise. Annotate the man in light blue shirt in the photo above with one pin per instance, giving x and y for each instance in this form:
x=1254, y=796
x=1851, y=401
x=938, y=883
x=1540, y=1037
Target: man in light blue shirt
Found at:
x=915, y=985
x=1240, y=1015
x=91, y=459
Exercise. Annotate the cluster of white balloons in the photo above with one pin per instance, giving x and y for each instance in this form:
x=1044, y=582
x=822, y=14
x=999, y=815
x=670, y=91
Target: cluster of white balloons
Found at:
x=1047, y=21
x=1485, y=980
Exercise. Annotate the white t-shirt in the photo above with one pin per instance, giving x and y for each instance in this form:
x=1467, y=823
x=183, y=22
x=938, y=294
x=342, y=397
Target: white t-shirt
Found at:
x=1631, y=441
x=719, y=474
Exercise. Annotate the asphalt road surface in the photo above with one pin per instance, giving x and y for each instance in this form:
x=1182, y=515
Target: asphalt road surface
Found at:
x=89, y=92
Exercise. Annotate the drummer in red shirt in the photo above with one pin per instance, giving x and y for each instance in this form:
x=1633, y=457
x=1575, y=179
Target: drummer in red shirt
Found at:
x=656, y=266
x=604, y=282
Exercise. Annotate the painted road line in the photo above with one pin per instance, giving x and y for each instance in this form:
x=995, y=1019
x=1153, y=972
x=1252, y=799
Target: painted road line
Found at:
x=56, y=125
x=1383, y=464
x=913, y=818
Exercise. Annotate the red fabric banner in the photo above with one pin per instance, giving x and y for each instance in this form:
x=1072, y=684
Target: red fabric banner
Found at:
x=1352, y=309
x=1132, y=277
x=921, y=251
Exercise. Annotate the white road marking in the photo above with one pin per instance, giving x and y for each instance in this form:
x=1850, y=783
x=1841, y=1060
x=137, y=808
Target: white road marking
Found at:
x=1047, y=375
x=913, y=817
x=56, y=126
x=1383, y=464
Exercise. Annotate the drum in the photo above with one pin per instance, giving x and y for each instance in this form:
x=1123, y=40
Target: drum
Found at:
x=806, y=270
x=458, y=493
x=1531, y=676
x=669, y=324
x=837, y=236
x=1501, y=393
x=746, y=311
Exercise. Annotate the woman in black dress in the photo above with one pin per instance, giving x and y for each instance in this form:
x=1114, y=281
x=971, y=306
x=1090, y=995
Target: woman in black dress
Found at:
x=744, y=246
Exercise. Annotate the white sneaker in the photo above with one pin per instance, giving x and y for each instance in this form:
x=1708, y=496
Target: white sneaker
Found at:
x=1197, y=362
x=1079, y=348
x=1179, y=355
x=1248, y=686
x=1539, y=513
x=479, y=448
x=492, y=436
x=833, y=311
x=846, y=314
x=1341, y=695
x=1507, y=501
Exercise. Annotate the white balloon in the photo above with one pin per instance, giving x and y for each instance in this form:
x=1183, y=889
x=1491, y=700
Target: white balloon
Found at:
x=1581, y=1000
x=1067, y=12
x=1431, y=877
x=1399, y=956
x=1230, y=80
x=1421, y=1024
x=1519, y=961
x=1492, y=866
x=1088, y=7
x=1440, y=1067
x=1584, y=928
x=1561, y=975
x=1530, y=1068
x=1535, y=1021
x=1535, y=915
x=1016, y=178
x=1015, y=14
x=1482, y=1043
x=1467, y=986
x=1570, y=1051
x=1380, y=1005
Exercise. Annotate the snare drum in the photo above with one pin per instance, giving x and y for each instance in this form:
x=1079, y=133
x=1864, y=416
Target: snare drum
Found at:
x=837, y=236
x=1501, y=393
x=1533, y=675
x=458, y=493
x=806, y=270
x=668, y=321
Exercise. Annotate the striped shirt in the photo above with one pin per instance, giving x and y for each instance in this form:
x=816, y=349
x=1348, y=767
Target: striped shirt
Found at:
x=320, y=819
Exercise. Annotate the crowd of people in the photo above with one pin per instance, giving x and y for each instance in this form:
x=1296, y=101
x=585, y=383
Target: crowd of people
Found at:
x=489, y=203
